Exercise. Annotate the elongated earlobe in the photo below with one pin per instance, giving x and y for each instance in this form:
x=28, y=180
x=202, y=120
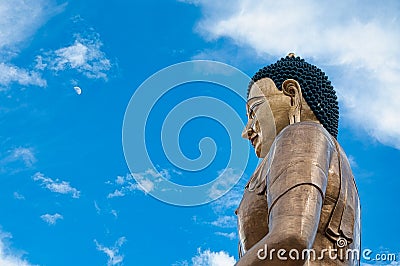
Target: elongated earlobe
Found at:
x=291, y=88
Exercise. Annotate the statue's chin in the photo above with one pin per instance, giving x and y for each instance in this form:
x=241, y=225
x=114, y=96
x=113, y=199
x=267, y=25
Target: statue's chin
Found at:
x=258, y=150
x=263, y=148
x=260, y=155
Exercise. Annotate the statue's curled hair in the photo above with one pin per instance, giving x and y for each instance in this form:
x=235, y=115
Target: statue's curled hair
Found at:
x=316, y=88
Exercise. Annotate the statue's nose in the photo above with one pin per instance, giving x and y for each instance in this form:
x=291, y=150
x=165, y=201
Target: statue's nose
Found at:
x=247, y=131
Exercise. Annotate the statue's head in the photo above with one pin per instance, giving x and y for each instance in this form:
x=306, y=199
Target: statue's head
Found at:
x=288, y=91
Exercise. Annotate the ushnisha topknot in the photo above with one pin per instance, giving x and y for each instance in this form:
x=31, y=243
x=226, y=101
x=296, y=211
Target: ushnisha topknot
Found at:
x=316, y=88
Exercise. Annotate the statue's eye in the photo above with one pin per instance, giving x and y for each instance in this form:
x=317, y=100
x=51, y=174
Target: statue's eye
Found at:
x=251, y=114
x=252, y=108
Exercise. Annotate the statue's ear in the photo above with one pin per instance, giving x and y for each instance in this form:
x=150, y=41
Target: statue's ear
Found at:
x=291, y=88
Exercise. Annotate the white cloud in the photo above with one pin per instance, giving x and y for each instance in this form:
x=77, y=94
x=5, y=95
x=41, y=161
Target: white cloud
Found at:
x=13, y=74
x=393, y=263
x=9, y=257
x=51, y=219
x=231, y=235
x=225, y=222
x=231, y=200
x=114, y=258
x=226, y=178
x=209, y=258
x=120, y=180
x=18, y=155
x=142, y=181
x=56, y=186
x=84, y=56
x=25, y=154
x=18, y=196
x=19, y=20
x=17, y=159
x=352, y=161
x=194, y=2
x=181, y=263
x=357, y=42
x=116, y=193
x=96, y=206
x=114, y=213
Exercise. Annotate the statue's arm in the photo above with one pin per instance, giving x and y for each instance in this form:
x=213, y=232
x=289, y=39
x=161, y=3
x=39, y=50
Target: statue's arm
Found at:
x=296, y=186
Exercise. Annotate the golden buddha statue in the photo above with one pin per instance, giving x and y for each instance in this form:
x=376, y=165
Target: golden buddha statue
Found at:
x=301, y=205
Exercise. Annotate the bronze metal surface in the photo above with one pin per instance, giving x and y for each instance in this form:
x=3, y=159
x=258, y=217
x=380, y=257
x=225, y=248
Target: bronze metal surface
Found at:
x=302, y=195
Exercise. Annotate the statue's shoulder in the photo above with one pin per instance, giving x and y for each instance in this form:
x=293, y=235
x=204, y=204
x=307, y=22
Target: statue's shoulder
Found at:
x=304, y=128
x=301, y=154
x=304, y=133
x=300, y=139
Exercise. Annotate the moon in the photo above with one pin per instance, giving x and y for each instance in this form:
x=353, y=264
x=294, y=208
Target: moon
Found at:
x=78, y=90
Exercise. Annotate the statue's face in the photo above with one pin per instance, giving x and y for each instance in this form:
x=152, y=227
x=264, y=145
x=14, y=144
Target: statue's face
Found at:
x=268, y=113
x=264, y=106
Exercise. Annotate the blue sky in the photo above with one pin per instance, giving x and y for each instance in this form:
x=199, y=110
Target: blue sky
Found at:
x=66, y=192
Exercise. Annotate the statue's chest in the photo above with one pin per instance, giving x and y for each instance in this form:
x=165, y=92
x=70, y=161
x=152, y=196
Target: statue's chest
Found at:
x=252, y=212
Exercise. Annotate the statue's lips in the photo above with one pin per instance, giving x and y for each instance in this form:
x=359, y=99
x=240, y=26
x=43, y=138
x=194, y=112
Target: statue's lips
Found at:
x=253, y=140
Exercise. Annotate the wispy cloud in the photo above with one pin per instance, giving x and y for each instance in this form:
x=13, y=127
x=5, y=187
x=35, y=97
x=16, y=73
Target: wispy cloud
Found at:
x=114, y=258
x=84, y=55
x=144, y=184
x=387, y=263
x=114, y=213
x=143, y=181
x=56, y=186
x=223, y=209
x=226, y=178
x=193, y=2
x=19, y=20
x=228, y=203
x=51, y=219
x=352, y=161
x=231, y=235
x=18, y=159
x=18, y=196
x=225, y=222
x=7, y=256
x=96, y=206
x=12, y=74
x=210, y=258
x=359, y=49
x=116, y=193
x=25, y=154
